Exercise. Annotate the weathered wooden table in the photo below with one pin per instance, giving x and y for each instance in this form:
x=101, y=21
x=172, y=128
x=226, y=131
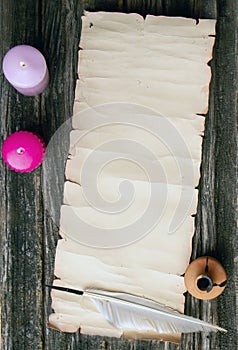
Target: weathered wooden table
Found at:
x=28, y=234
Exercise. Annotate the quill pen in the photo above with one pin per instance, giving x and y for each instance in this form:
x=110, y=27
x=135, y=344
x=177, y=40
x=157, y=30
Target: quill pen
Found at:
x=128, y=311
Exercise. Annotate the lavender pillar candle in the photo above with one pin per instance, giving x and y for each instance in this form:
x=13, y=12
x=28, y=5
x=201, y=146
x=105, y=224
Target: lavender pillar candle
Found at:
x=25, y=68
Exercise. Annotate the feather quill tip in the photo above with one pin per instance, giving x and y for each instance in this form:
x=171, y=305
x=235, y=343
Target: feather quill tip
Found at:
x=221, y=329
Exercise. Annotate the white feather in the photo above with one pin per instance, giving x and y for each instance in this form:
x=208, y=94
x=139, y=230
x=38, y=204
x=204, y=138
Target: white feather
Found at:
x=127, y=311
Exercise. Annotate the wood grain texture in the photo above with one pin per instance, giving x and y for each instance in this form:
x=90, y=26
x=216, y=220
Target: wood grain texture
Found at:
x=191, y=9
x=28, y=234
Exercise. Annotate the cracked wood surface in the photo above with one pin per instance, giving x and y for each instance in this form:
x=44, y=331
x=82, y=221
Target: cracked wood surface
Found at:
x=28, y=235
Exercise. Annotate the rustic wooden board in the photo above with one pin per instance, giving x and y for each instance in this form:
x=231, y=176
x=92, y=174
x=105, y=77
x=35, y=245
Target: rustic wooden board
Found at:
x=28, y=235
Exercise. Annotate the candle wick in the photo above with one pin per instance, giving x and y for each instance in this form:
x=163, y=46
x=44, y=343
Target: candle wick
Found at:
x=22, y=64
x=20, y=150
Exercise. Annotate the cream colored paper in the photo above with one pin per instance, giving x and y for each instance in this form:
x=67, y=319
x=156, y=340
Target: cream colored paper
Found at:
x=161, y=64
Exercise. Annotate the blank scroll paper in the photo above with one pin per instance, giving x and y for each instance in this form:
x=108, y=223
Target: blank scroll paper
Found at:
x=135, y=152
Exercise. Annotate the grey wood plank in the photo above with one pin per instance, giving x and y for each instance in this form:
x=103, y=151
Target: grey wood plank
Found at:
x=185, y=8
x=216, y=229
x=226, y=165
x=21, y=200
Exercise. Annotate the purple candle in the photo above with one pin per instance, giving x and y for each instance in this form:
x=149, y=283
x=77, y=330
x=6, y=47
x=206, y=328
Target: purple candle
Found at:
x=25, y=68
x=23, y=151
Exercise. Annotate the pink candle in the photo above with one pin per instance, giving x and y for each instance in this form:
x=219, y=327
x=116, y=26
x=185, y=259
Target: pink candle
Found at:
x=23, y=151
x=25, y=68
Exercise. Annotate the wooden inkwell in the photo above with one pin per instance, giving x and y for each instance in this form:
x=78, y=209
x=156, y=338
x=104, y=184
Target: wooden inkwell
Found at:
x=205, y=278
